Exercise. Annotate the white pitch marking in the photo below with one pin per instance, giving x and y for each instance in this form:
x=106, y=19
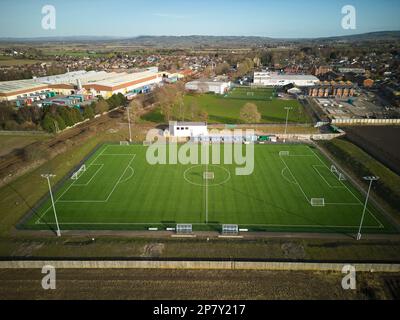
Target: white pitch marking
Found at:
x=376, y=219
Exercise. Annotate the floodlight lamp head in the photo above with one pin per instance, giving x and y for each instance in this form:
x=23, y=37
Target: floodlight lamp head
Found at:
x=371, y=178
x=47, y=175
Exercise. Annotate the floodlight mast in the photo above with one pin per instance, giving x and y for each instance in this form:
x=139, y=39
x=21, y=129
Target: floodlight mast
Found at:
x=371, y=179
x=287, y=119
x=129, y=125
x=207, y=157
x=48, y=176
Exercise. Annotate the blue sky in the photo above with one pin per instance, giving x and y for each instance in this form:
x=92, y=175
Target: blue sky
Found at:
x=272, y=18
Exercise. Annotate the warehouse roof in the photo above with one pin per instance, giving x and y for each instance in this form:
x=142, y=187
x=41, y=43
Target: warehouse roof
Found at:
x=121, y=78
x=20, y=85
x=101, y=80
x=274, y=75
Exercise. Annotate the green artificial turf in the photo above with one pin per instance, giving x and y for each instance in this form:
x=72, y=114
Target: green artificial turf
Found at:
x=121, y=190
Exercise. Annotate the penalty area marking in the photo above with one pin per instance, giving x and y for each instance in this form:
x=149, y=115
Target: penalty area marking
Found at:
x=360, y=202
x=113, y=189
x=73, y=184
x=314, y=155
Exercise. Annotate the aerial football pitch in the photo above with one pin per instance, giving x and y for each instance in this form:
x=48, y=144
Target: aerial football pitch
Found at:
x=292, y=188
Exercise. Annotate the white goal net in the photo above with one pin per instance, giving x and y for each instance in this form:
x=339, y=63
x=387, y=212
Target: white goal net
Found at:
x=230, y=229
x=283, y=153
x=78, y=173
x=124, y=143
x=250, y=94
x=318, y=202
x=184, y=228
x=336, y=172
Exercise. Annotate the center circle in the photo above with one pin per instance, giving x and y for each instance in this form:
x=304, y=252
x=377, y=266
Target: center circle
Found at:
x=195, y=175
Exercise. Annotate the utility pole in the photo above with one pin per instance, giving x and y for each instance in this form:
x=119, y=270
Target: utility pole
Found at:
x=129, y=125
x=287, y=119
x=48, y=176
x=371, y=180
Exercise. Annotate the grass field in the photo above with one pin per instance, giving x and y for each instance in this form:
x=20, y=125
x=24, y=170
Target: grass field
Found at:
x=10, y=61
x=120, y=190
x=226, y=108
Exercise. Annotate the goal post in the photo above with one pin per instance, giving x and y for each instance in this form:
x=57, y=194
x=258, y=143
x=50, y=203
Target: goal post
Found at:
x=124, y=143
x=78, y=173
x=284, y=153
x=230, y=229
x=318, y=202
x=184, y=228
x=337, y=173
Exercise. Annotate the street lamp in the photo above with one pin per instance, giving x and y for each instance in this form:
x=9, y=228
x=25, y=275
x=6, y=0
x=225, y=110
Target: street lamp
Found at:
x=371, y=179
x=48, y=176
x=287, y=119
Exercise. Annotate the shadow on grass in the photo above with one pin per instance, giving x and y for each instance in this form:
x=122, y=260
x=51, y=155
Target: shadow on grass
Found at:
x=32, y=212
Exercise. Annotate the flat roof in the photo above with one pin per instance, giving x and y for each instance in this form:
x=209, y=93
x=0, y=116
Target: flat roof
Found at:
x=122, y=78
x=20, y=85
x=102, y=79
x=191, y=124
x=272, y=75
x=208, y=82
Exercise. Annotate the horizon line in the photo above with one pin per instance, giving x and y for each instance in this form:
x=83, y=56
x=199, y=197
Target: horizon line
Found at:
x=192, y=35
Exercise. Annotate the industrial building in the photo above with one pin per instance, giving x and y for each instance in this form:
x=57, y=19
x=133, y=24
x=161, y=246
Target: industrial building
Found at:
x=83, y=82
x=332, y=89
x=274, y=79
x=204, y=86
x=187, y=129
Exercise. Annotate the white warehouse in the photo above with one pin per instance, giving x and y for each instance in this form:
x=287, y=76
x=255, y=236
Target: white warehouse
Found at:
x=205, y=86
x=187, y=129
x=273, y=79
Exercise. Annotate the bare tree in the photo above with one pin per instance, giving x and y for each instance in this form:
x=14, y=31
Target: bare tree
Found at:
x=249, y=113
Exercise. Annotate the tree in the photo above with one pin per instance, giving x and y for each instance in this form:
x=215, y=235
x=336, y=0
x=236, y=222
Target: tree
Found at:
x=135, y=108
x=66, y=115
x=168, y=97
x=76, y=115
x=249, y=113
x=49, y=123
x=116, y=100
x=101, y=106
x=88, y=112
x=222, y=68
x=60, y=122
